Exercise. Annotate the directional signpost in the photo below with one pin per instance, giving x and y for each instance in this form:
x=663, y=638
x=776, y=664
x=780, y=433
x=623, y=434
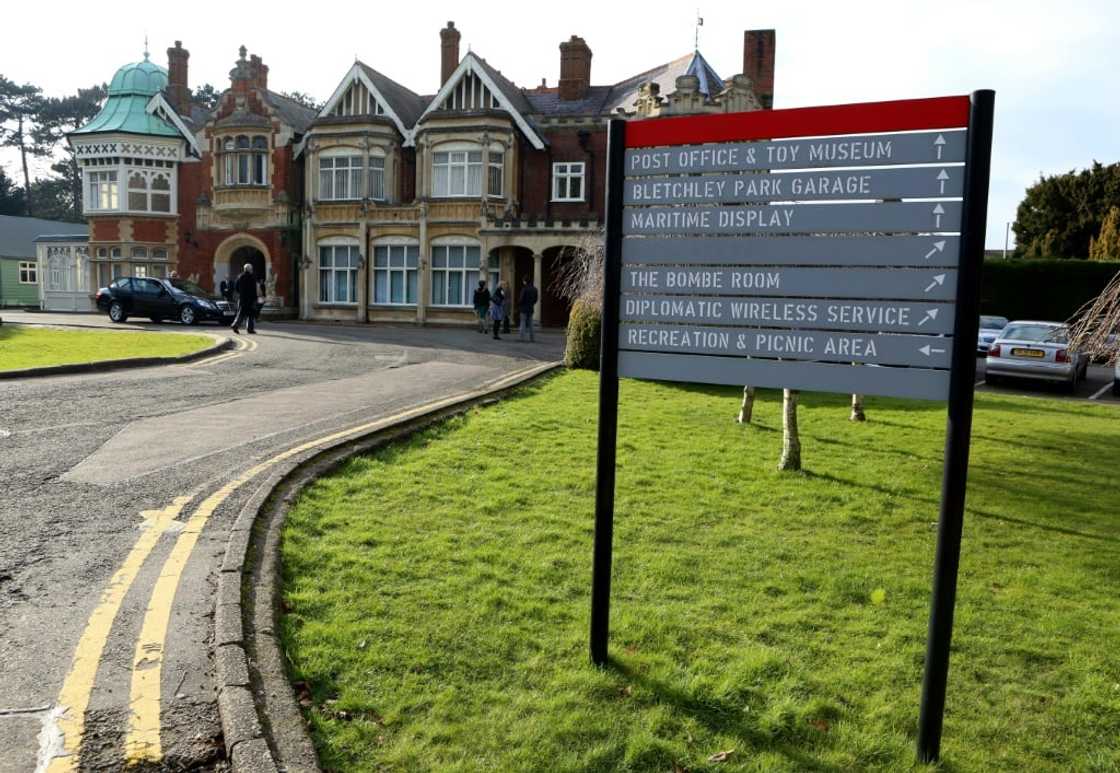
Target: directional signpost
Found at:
x=834, y=249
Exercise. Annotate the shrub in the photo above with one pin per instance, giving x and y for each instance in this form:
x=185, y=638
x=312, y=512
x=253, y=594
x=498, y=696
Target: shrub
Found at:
x=584, y=331
x=1042, y=289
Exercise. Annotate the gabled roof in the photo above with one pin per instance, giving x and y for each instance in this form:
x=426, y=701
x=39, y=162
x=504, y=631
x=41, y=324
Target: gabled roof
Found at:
x=513, y=99
x=19, y=234
x=159, y=104
x=710, y=83
x=402, y=106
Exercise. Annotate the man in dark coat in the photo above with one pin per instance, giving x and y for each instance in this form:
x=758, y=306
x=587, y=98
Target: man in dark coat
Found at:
x=526, y=304
x=246, y=286
x=482, y=305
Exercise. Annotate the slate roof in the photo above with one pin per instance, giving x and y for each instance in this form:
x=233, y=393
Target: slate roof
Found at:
x=514, y=96
x=548, y=102
x=407, y=104
x=625, y=93
x=291, y=112
x=19, y=234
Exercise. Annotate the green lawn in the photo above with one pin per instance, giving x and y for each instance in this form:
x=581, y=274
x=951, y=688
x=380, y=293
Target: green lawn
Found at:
x=437, y=591
x=37, y=347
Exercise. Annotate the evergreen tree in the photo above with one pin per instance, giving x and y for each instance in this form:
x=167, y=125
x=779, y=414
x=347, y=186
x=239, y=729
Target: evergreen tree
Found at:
x=206, y=95
x=11, y=197
x=1061, y=213
x=1107, y=244
x=58, y=117
x=19, y=106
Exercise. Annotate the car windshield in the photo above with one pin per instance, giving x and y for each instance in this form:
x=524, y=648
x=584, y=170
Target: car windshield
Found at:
x=1040, y=333
x=189, y=287
x=993, y=323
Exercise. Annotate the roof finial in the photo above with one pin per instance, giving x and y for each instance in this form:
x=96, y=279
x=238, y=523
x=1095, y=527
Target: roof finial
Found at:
x=146, y=54
x=699, y=24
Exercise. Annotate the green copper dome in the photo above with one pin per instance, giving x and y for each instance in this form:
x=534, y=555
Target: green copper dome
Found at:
x=139, y=78
x=126, y=109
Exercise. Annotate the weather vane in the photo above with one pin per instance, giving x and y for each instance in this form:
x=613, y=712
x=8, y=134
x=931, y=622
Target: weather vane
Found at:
x=146, y=54
x=699, y=24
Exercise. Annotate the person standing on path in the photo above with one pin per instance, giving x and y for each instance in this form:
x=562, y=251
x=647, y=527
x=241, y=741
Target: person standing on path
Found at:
x=246, y=286
x=497, y=310
x=482, y=305
x=526, y=303
x=507, y=302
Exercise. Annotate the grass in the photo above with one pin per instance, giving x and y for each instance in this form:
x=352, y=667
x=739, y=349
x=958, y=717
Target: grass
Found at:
x=38, y=347
x=436, y=592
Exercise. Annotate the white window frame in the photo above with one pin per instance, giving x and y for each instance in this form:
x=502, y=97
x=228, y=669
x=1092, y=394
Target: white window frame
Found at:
x=102, y=190
x=448, y=159
x=496, y=172
x=350, y=251
x=563, y=173
x=450, y=249
x=244, y=164
x=340, y=176
x=28, y=273
x=376, y=178
x=395, y=257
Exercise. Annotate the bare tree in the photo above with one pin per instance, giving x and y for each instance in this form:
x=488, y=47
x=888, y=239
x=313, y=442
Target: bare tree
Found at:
x=791, y=438
x=1095, y=329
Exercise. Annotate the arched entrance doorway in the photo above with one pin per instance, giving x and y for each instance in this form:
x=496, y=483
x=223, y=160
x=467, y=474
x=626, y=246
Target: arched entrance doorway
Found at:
x=232, y=254
x=555, y=305
x=251, y=255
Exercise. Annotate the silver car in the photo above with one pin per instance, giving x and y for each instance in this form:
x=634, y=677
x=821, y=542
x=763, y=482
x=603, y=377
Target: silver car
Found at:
x=1035, y=350
x=990, y=325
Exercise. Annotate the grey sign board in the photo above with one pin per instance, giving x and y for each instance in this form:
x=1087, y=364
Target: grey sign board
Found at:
x=794, y=218
x=920, y=383
x=773, y=343
x=903, y=183
x=935, y=147
x=930, y=251
x=830, y=314
x=901, y=284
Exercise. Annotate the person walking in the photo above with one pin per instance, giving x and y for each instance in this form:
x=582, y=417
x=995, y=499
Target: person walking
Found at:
x=526, y=303
x=482, y=305
x=246, y=286
x=497, y=310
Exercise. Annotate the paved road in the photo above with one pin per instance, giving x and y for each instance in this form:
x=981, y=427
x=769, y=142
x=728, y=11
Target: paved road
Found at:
x=118, y=493
x=1097, y=386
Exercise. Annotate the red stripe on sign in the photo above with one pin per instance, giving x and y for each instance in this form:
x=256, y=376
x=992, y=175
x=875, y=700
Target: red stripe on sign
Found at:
x=860, y=118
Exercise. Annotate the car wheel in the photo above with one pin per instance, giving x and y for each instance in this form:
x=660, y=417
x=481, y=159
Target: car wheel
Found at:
x=117, y=312
x=187, y=316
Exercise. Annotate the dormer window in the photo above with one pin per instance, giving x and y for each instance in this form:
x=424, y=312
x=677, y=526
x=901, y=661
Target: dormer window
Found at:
x=245, y=160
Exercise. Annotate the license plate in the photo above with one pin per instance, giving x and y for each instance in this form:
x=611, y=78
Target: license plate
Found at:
x=1037, y=353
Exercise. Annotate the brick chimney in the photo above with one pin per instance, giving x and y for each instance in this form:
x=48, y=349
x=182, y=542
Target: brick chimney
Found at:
x=575, y=68
x=758, y=64
x=448, y=51
x=258, y=72
x=178, y=87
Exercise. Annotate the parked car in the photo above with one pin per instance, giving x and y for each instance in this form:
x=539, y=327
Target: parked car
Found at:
x=1035, y=350
x=990, y=326
x=160, y=299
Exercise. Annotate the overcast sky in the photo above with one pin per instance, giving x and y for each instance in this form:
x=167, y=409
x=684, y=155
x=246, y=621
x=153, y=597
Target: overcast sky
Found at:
x=1054, y=66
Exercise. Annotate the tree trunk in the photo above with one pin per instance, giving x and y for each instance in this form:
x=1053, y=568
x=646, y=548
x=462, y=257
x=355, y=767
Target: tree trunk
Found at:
x=857, y=409
x=791, y=439
x=747, y=408
x=26, y=176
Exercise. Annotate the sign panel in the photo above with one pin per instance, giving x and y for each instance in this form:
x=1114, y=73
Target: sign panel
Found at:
x=941, y=250
x=794, y=218
x=942, y=147
x=903, y=283
x=833, y=314
x=906, y=183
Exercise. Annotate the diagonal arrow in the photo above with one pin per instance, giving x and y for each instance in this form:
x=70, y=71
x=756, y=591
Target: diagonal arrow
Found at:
x=937, y=247
x=939, y=144
x=930, y=315
x=941, y=178
x=938, y=211
x=938, y=279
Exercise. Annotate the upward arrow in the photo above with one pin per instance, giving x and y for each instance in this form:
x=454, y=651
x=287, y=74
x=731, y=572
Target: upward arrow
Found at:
x=938, y=143
x=938, y=211
x=941, y=178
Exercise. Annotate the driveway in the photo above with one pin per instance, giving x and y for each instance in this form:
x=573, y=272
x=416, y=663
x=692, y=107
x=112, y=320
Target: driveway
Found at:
x=119, y=491
x=1097, y=386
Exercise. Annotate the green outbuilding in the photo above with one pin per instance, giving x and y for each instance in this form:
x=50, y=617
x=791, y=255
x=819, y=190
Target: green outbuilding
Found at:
x=21, y=268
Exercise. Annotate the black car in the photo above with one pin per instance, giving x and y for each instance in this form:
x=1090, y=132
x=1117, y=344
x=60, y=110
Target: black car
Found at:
x=160, y=299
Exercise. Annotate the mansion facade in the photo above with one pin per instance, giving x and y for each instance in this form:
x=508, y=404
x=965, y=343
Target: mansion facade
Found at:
x=385, y=205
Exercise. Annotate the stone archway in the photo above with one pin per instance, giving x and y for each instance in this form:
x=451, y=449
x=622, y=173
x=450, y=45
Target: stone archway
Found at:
x=235, y=252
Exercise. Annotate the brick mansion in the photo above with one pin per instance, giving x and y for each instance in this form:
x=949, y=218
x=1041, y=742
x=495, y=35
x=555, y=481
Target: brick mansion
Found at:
x=385, y=205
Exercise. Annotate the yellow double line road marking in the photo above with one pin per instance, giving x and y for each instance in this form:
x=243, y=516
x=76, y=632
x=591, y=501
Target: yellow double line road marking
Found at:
x=143, y=741
x=243, y=345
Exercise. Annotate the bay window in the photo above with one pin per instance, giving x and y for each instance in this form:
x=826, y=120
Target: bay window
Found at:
x=138, y=192
x=245, y=160
x=101, y=191
x=340, y=177
x=495, y=172
x=377, y=178
x=395, y=275
x=456, y=269
x=161, y=193
x=338, y=273
x=457, y=173
x=567, y=181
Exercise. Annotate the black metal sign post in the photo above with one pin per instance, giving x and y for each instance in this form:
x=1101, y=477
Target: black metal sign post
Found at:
x=959, y=426
x=608, y=396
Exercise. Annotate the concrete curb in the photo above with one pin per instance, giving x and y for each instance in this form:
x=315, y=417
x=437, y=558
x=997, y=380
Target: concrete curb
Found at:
x=250, y=663
x=221, y=343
